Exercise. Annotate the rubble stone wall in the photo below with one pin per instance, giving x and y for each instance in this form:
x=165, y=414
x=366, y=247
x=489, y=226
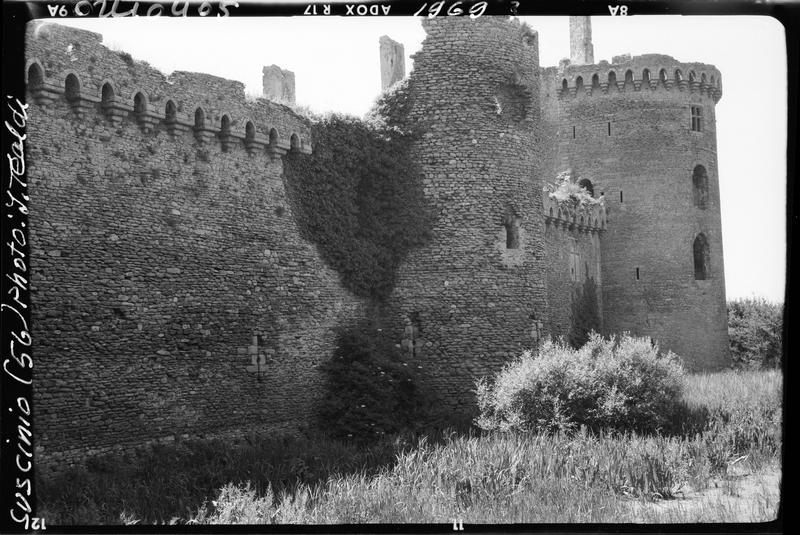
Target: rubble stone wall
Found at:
x=172, y=294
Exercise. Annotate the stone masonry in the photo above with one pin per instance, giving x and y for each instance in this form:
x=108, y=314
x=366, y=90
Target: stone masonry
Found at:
x=475, y=94
x=629, y=125
x=164, y=249
x=172, y=294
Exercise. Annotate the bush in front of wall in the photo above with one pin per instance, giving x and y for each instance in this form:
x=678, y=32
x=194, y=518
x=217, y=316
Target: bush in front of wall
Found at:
x=622, y=384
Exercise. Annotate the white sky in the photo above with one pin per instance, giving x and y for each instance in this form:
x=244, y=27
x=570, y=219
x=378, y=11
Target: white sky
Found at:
x=335, y=61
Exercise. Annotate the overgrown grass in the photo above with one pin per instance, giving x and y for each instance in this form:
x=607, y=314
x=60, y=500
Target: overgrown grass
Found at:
x=478, y=478
x=496, y=478
x=161, y=482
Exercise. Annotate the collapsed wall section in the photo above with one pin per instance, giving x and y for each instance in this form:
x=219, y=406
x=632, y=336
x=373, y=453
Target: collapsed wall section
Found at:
x=474, y=297
x=172, y=295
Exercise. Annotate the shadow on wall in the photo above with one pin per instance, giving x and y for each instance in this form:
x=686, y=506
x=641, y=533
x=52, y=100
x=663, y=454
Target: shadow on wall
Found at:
x=359, y=197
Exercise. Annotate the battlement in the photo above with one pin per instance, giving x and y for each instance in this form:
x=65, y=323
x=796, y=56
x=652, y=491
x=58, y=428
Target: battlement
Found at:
x=584, y=218
x=649, y=72
x=71, y=64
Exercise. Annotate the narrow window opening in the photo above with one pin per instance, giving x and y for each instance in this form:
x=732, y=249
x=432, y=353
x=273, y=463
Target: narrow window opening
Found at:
x=511, y=222
x=697, y=119
x=412, y=341
x=573, y=132
x=700, y=187
x=637, y=273
x=225, y=131
x=574, y=260
x=701, y=257
x=609, y=129
x=620, y=195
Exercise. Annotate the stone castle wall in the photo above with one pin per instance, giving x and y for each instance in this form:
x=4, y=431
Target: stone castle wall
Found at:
x=628, y=125
x=573, y=254
x=168, y=271
x=474, y=300
x=166, y=261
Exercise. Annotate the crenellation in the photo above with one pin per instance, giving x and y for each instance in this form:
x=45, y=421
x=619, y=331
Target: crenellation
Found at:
x=186, y=90
x=585, y=218
x=638, y=71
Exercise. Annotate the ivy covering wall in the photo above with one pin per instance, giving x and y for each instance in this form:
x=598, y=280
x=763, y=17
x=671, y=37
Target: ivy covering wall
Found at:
x=359, y=198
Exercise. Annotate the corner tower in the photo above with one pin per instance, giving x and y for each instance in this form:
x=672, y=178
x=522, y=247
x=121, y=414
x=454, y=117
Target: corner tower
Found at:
x=644, y=129
x=474, y=296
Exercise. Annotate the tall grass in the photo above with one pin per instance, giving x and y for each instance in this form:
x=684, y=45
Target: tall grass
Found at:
x=478, y=478
x=496, y=478
x=158, y=483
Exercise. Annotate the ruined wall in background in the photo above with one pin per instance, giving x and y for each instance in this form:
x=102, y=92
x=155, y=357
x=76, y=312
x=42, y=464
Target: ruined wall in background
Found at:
x=392, y=61
x=278, y=85
x=167, y=268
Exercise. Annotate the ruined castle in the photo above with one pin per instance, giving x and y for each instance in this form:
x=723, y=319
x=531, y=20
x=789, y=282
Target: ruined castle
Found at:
x=173, y=296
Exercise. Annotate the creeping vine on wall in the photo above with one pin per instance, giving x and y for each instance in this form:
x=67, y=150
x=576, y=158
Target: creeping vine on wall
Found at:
x=359, y=198
x=372, y=389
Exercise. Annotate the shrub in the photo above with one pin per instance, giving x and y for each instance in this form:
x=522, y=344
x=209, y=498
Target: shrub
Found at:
x=755, y=327
x=566, y=191
x=621, y=384
x=371, y=391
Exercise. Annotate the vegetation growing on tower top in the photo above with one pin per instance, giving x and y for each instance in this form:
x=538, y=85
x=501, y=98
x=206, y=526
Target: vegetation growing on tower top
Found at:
x=567, y=190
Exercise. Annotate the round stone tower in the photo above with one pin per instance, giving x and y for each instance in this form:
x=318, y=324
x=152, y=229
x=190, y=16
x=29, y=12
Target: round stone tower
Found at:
x=474, y=296
x=643, y=129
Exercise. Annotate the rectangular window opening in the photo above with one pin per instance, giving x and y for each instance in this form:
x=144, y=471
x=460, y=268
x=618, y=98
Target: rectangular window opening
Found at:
x=609, y=129
x=620, y=195
x=637, y=273
x=697, y=119
x=573, y=132
x=512, y=232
